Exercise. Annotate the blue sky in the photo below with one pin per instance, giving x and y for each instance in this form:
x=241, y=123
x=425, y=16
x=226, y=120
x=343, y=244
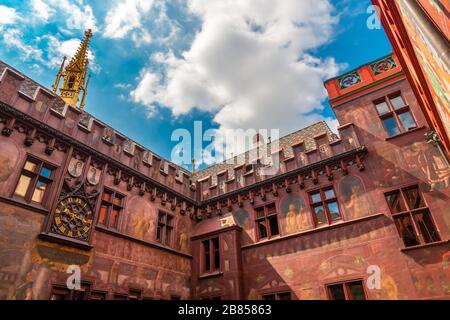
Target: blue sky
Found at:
x=158, y=65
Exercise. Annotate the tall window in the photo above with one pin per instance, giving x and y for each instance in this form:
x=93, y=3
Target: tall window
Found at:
x=267, y=221
x=324, y=206
x=277, y=296
x=165, y=228
x=35, y=181
x=412, y=216
x=395, y=115
x=211, y=255
x=110, y=209
x=347, y=291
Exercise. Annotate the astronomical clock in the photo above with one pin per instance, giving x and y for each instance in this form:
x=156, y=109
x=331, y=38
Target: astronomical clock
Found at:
x=73, y=218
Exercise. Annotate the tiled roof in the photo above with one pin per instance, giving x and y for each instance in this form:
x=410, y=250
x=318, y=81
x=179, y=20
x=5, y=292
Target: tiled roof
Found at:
x=305, y=135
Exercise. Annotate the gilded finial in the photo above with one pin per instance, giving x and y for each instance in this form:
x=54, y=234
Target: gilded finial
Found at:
x=75, y=74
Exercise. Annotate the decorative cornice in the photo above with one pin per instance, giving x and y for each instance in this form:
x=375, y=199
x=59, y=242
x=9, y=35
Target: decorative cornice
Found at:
x=64, y=139
x=12, y=112
x=282, y=177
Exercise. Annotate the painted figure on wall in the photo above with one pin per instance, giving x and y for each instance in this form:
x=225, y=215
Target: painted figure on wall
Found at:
x=242, y=218
x=294, y=214
x=183, y=237
x=142, y=218
x=93, y=175
x=75, y=167
x=355, y=199
x=8, y=159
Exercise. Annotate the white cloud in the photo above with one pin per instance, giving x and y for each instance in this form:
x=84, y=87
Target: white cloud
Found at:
x=77, y=14
x=13, y=38
x=143, y=21
x=8, y=15
x=126, y=16
x=250, y=64
x=41, y=10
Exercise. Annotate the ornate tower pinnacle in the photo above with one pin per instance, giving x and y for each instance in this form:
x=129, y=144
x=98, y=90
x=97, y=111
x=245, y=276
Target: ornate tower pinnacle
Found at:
x=75, y=75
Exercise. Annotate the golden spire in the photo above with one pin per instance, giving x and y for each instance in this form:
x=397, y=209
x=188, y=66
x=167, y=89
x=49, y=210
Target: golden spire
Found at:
x=75, y=75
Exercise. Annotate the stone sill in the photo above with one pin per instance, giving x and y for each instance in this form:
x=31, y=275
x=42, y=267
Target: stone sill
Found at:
x=426, y=245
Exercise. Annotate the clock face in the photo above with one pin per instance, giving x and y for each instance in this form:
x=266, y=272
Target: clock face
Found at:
x=73, y=218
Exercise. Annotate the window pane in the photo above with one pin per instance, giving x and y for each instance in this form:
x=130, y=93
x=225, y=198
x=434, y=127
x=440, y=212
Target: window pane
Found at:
x=284, y=296
x=113, y=219
x=337, y=292
x=158, y=233
x=46, y=172
x=268, y=297
x=315, y=197
x=60, y=294
x=413, y=198
x=382, y=108
x=22, y=186
x=320, y=215
x=397, y=102
x=407, y=120
x=329, y=194
x=106, y=196
x=406, y=230
x=169, y=220
x=426, y=227
x=207, y=262
x=117, y=200
x=333, y=208
x=215, y=243
x=391, y=126
x=39, y=192
x=162, y=217
x=271, y=209
x=357, y=291
x=30, y=166
x=168, y=236
x=98, y=296
x=395, y=202
x=273, y=222
x=102, y=214
x=262, y=229
x=259, y=213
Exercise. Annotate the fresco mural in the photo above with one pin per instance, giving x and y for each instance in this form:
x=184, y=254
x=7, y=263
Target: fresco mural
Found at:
x=141, y=217
x=9, y=157
x=294, y=214
x=355, y=200
x=418, y=160
x=183, y=241
x=242, y=217
x=435, y=68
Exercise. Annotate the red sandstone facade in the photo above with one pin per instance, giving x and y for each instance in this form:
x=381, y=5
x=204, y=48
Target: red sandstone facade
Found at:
x=420, y=35
x=375, y=197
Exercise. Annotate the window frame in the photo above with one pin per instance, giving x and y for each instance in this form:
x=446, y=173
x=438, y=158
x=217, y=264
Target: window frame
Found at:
x=411, y=213
x=165, y=225
x=395, y=113
x=324, y=202
x=110, y=206
x=347, y=292
x=266, y=218
x=211, y=254
x=70, y=293
x=277, y=295
x=35, y=177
